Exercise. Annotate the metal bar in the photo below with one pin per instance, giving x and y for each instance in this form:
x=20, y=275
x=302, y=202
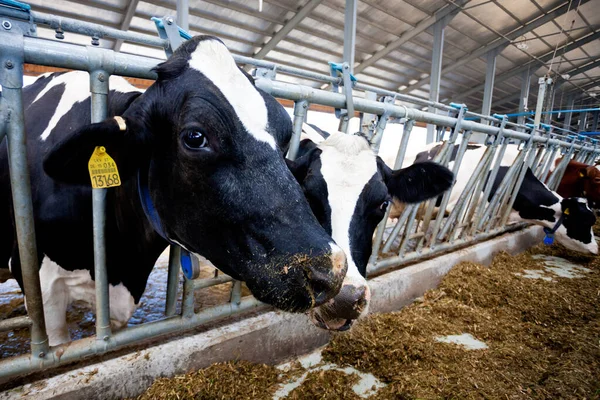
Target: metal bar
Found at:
x=183, y=13
x=236, y=292
x=387, y=264
x=83, y=28
x=488, y=90
x=582, y=121
x=350, y=33
x=67, y=55
x=297, y=92
x=172, y=280
x=100, y=65
x=84, y=348
x=525, y=84
x=300, y=108
x=11, y=79
x=208, y=282
x=15, y=323
x=595, y=121
x=436, y=71
x=187, y=304
x=126, y=23
x=287, y=28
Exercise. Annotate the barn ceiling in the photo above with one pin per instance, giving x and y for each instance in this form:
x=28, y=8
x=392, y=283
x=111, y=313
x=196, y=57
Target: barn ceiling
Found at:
x=530, y=35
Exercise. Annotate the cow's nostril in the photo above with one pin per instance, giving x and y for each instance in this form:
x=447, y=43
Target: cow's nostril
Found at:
x=320, y=285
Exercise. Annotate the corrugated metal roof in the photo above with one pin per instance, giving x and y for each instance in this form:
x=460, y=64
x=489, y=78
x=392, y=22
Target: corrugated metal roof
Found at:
x=318, y=38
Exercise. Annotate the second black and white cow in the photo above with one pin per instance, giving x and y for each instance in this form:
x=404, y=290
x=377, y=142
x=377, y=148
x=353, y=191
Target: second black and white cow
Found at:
x=349, y=188
x=570, y=218
x=199, y=166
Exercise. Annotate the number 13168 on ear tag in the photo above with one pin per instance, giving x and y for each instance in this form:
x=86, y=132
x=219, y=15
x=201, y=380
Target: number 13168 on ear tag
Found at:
x=103, y=169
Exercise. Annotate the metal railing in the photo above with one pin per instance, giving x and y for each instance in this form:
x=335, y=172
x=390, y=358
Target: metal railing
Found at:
x=410, y=238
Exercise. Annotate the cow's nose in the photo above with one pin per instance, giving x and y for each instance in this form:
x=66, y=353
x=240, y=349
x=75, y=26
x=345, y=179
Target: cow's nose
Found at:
x=325, y=279
x=351, y=301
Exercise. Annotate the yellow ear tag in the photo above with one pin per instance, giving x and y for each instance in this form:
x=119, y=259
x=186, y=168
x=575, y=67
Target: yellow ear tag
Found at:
x=581, y=175
x=566, y=212
x=103, y=169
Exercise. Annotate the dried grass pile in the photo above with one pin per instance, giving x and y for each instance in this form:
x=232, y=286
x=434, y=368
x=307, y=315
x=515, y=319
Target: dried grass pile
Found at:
x=231, y=380
x=543, y=338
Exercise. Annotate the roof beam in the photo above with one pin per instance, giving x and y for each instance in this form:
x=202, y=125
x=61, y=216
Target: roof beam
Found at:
x=513, y=97
x=451, y=9
x=543, y=59
x=126, y=23
x=287, y=28
x=502, y=41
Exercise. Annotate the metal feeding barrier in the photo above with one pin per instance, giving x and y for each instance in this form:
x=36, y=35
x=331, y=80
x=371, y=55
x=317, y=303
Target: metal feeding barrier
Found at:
x=395, y=244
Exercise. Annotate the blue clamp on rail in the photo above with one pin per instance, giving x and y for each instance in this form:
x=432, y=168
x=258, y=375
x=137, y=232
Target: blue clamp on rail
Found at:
x=159, y=22
x=339, y=67
x=15, y=4
x=531, y=126
x=458, y=106
x=500, y=116
x=546, y=126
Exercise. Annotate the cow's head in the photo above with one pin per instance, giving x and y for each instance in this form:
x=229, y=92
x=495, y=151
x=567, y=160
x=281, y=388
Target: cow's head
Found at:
x=589, y=176
x=576, y=231
x=349, y=189
x=202, y=140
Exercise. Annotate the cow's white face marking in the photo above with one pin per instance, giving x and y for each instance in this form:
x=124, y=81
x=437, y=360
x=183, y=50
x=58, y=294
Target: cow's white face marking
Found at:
x=61, y=287
x=353, y=156
x=214, y=61
x=77, y=89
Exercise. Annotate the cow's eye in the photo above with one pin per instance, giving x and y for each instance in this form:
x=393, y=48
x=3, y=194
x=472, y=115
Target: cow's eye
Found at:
x=195, y=140
x=384, y=205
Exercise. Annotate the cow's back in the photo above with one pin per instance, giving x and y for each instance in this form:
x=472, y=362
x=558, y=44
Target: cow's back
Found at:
x=56, y=106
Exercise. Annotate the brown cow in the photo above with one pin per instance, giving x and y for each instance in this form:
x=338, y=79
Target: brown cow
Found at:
x=581, y=180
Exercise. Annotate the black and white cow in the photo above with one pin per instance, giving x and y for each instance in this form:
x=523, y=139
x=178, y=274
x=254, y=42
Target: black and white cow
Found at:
x=349, y=188
x=570, y=218
x=198, y=148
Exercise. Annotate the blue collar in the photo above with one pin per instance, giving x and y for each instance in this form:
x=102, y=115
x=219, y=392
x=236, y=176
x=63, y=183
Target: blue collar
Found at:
x=549, y=238
x=189, y=264
x=148, y=204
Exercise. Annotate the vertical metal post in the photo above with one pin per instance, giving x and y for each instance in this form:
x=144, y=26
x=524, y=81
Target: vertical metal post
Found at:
x=551, y=97
x=367, y=121
x=525, y=84
x=570, y=106
x=183, y=12
x=582, y=121
x=11, y=79
x=99, y=103
x=436, y=70
x=172, y=280
x=350, y=33
x=300, y=108
x=540, y=102
x=595, y=121
x=488, y=90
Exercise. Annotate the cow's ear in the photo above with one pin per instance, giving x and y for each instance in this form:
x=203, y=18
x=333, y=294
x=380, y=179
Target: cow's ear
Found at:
x=301, y=165
x=418, y=182
x=123, y=138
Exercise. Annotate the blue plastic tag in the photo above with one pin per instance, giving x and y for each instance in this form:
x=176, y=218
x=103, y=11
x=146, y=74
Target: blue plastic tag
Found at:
x=186, y=264
x=548, y=240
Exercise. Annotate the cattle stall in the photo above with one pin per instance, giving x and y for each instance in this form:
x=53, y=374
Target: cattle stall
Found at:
x=418, y=232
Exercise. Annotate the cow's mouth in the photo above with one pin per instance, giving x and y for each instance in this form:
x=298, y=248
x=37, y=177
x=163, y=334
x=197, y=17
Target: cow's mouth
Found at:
x=336, y=324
